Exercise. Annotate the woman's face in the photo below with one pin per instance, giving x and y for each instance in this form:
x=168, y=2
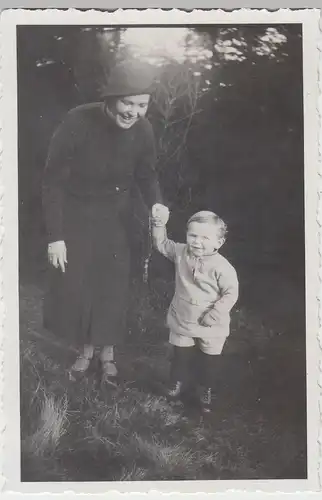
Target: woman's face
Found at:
x=126, y=111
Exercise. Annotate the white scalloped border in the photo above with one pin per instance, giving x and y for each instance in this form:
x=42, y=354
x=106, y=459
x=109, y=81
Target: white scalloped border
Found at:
x=155, y=16
x=319, y=219
x=2, y=301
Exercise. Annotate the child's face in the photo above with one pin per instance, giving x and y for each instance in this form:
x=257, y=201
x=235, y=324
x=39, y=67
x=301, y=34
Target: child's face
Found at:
x=203, y=238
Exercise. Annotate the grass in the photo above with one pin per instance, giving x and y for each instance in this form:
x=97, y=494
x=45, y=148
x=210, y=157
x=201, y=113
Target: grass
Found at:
x=51, y=427
x=78, y=432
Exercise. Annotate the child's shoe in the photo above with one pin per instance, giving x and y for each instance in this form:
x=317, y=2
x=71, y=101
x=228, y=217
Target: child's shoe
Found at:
x=205, y=399
x=175, y=389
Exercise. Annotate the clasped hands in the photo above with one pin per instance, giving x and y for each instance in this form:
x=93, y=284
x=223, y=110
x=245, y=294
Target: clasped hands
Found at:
x=159, y=214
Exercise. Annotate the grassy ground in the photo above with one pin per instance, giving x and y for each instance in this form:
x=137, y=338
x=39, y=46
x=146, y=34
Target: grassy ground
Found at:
x=73, y=431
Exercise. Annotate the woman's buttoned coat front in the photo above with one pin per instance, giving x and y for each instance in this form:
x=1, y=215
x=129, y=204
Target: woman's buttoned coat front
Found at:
x=91, y=167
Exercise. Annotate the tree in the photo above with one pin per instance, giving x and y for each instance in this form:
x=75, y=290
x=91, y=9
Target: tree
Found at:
x=228, y=107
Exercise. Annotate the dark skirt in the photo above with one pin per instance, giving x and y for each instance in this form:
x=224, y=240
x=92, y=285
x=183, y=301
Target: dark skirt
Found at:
x=88, y=303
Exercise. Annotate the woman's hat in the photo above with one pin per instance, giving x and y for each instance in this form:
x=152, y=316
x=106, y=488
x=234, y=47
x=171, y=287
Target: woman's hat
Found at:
x=130, y=78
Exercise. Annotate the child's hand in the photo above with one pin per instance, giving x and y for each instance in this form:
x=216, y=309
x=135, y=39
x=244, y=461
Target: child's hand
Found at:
x=160, y=215
x=206, y=320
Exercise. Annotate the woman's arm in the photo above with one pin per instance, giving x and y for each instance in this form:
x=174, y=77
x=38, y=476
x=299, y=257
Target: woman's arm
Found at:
x=145, y=174
x=56, y=174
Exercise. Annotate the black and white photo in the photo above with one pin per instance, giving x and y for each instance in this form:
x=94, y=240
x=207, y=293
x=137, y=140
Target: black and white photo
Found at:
x=162, y=177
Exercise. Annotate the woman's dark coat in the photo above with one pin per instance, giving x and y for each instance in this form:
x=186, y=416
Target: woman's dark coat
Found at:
x=91, y=167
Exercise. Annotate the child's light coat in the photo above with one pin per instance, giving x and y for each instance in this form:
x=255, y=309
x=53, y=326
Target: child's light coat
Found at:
x=207, y=284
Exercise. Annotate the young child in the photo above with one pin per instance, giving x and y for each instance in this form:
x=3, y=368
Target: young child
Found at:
x=206, y=288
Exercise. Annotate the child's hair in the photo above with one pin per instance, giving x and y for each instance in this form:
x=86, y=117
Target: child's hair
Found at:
x=211, y=218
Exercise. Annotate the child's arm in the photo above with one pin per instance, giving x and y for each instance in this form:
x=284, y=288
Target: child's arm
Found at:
x=228, y=284
x=160, y=238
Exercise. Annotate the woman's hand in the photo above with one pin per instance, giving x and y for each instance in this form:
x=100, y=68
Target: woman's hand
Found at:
x=57, y=254
x=160, y=214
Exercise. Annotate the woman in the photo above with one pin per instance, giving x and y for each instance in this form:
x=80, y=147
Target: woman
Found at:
x=94, y=157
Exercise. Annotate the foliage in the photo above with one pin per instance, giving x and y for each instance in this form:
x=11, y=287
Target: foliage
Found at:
x=227, y=115
x=224, y=62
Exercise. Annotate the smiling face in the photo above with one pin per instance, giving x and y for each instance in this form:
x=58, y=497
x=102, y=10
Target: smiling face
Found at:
x=126, y=111
x=203, y=238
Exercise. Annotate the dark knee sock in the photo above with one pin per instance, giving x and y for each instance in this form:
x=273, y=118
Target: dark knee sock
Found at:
x=207, y=371
x=181, y=363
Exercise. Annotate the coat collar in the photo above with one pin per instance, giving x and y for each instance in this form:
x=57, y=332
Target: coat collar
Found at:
x=203, y=257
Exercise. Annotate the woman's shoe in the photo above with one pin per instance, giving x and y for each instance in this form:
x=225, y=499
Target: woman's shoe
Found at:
x=80, y=366
x=109, y=373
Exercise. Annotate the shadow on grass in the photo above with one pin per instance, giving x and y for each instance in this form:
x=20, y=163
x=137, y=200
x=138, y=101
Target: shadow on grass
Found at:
x=79, y=432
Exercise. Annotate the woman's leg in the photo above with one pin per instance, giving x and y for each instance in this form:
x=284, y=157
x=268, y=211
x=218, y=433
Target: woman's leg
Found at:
x=107, y=361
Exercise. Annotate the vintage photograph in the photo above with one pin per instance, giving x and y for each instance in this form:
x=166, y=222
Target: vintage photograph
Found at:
x=162, y=237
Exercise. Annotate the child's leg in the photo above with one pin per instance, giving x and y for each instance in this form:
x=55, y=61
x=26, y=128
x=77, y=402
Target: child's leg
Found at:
x=207, y=362
x=183, y=350
x=210, y=351
x=180, y=363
